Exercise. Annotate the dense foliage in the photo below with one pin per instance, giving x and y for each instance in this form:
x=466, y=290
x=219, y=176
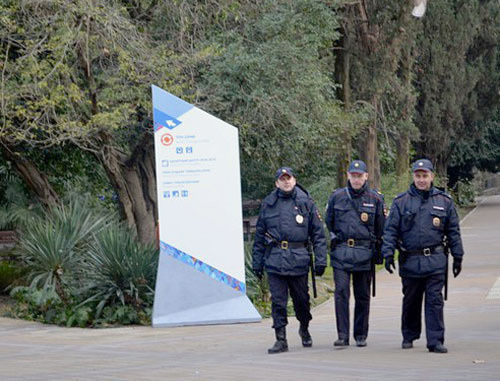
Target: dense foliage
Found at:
x=309, y=83
x=83, y=268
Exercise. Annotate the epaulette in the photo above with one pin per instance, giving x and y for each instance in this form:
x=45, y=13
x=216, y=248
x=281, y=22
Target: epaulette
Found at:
x=337, y=190
x=270, y=199
x=302, y=189
x=377, y=193
x=442, y=191
x=400, y=195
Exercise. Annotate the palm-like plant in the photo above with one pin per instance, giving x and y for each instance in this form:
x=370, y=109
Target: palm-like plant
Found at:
x=52, y=244
x=120, y=269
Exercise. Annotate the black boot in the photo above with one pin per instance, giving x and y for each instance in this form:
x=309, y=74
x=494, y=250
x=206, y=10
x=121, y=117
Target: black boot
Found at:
x=439, y=348
x=305, y=335
x=280, y=345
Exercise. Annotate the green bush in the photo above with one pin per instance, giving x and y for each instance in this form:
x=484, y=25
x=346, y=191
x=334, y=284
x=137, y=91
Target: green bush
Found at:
x=51, y=246
x=120, y=270
x=10, y=274
x=84, y=269
x=464, y=193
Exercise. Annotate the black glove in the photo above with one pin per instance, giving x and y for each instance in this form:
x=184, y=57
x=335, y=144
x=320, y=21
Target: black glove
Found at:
x=457, y=266
x=258, y=273
x=389, y=262
x=379, y=259
x=333, y=243
x=319, y=270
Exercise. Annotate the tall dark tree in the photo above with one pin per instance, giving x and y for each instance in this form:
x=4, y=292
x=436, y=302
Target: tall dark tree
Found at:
x=376, y=39
x=457, y=75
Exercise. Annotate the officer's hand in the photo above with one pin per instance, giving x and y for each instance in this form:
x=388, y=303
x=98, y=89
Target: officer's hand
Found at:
x=258, y=273
x=319, y=270
x=333, y=243
x=389, y=262
x=379, y=259
x=457, y=266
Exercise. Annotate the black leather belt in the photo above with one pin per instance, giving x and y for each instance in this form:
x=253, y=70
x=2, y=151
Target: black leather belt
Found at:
x=351, y=242
x=438, y=249
x=290, y=245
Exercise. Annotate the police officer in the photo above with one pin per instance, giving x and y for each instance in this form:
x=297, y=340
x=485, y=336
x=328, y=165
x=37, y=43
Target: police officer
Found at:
x=355, y=218
x=418, y=222
x=288, y=219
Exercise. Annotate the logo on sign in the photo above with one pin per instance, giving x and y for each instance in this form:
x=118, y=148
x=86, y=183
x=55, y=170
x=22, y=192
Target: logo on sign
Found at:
x=167, y=139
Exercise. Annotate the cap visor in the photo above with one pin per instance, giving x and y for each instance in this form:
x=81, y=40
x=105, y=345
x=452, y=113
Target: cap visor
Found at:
x=422, y=169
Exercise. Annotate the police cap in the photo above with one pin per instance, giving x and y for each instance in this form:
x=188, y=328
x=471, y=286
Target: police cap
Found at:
x=357, y=166
x=284, y=171
x=422, y=165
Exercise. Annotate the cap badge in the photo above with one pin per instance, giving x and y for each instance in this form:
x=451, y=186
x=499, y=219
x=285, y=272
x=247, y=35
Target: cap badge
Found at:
x=283, y=170
x=299, y=218
x=356, y=165
x=364, y=217
x=421, y=164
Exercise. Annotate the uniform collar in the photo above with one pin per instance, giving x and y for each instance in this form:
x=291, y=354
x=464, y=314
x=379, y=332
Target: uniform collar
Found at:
x=423, y=194
x=356, y=193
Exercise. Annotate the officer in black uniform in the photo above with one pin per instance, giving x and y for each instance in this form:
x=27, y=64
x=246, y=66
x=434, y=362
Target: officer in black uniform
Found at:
x=419, y=221
x=288, y=220
x=355, y=218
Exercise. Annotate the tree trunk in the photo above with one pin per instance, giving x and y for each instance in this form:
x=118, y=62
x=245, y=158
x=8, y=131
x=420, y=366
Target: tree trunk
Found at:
x=32, y=176
x=343, y=159
x=134, y=181
x=342, y=65
x=402, y=158
x=370, y=156
x=369, y=150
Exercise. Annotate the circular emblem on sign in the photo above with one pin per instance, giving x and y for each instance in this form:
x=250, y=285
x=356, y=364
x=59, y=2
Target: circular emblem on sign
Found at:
x=299, y=218
x=436, y=221
x=364, y=217
x=167, y=139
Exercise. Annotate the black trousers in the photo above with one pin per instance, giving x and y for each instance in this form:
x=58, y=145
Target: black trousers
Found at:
x=361, y=288
x=414, y=290
x=279, y=286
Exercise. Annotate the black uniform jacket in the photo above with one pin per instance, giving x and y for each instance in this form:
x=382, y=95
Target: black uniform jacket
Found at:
x=286, y=222
x=416, y=223
x=356, y=223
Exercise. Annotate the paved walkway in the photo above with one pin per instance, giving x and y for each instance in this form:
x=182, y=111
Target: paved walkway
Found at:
x=30, y=351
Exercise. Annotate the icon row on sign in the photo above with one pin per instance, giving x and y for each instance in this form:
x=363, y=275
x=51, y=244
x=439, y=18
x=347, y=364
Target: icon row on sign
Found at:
x=175, y=194
x=181, y=150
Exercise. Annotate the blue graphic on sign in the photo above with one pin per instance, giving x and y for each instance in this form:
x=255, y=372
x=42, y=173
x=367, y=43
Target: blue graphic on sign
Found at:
x=189, y=149
x=166, y=194
x=179, y=150
x=203, y=267
x=162, y=119
x=175, y=194
x=184, y=193
x=176, y=106
x=164, y=163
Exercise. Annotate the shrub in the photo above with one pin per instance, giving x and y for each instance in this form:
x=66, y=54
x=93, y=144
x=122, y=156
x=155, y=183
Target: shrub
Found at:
x=10, y=274
x=52, y=243
x=84, y=268
x=120, y=270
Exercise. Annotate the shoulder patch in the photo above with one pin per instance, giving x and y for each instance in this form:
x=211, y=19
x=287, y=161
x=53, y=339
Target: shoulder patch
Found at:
x=318, y=215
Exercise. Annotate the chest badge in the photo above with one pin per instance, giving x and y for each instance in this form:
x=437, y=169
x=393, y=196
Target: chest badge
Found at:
x=436, y=221
x=299, y=218
x=364, y=217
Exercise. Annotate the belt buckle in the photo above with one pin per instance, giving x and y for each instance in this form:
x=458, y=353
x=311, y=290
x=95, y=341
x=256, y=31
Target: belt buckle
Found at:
x=350, y=242
x=284, y=245
x=427, y=252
